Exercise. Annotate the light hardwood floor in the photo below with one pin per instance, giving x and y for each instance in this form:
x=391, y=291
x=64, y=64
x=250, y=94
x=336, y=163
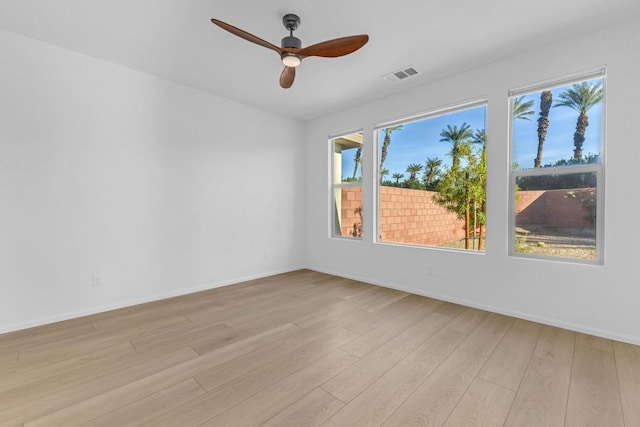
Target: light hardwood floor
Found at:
x=306, y=348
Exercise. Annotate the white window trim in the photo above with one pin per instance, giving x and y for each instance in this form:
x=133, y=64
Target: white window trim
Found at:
x=335, y=186
x=597, y=168
x=436, y=112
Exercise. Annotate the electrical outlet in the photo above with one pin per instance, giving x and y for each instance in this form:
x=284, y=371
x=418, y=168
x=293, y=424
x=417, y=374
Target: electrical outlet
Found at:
x=97, y=281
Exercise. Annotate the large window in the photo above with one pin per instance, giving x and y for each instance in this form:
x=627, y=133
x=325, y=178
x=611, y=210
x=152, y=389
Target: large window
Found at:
x=346, y=185
x=557, y=149
x=432, y=179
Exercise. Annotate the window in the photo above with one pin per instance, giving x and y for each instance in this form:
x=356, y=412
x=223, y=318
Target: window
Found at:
x=557, y=148
x=346, y=185
x=432, y=179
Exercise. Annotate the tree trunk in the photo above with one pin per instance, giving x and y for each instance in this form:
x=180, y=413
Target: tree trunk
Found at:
x=357, y=161
x=467, y=213
x=481, y=238
x=455, y=162
x=385, y=148
x=546, y=99
x=578, y=137
x=467, y=224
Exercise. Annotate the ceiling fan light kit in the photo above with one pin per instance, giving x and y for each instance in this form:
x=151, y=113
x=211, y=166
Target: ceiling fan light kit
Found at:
x=291, y=51
x=291, y=59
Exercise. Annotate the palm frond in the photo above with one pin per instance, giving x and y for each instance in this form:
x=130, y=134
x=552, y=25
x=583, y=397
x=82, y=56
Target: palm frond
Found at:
x=522, y=109
x=581, y=97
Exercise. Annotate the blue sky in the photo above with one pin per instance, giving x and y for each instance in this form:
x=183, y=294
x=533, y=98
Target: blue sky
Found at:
x=558, y=144
x=420, y=140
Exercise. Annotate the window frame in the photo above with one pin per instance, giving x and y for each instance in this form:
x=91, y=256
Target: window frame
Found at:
x=432, y=113
x=597, y=168
x=333, y=186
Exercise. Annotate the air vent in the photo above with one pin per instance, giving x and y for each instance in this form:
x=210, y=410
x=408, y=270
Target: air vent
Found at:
x=399, y=75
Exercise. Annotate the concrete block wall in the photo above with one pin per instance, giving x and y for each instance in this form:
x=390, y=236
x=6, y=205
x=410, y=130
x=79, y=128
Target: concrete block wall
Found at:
x=406, y=216
x=557, y=208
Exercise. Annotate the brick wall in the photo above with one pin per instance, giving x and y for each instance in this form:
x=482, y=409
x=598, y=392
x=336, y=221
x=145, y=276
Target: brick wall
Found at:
x=411, y=216
x=351, y=204
x=558, y=208
x=406, y=216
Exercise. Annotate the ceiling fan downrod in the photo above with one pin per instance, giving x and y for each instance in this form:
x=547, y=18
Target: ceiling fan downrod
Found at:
x=291, y=22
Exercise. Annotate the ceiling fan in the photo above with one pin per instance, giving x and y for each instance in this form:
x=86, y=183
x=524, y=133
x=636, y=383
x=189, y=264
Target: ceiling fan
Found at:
x=291, y=51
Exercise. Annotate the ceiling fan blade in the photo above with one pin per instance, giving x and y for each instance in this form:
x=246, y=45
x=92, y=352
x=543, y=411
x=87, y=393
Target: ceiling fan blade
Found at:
x=287, y=77
x=336, y=47
x=245, y=35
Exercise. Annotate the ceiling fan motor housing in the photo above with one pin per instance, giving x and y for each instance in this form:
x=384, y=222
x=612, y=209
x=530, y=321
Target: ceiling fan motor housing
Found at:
x=291, y=41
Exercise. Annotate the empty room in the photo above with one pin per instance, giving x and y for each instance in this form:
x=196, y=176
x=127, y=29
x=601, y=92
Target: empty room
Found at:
x=289, y=213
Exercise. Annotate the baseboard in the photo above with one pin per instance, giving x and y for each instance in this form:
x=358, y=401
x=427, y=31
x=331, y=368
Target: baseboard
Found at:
x=101, y=309
x=468, y=303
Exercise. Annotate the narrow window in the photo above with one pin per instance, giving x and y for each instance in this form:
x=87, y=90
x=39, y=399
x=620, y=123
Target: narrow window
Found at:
x=557, y=159
x=346, y=185
x=432, y=179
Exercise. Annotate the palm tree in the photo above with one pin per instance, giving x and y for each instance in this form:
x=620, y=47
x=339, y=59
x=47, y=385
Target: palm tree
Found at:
x=480, y=137
x=413, y=170
x=413, y=182
x=357, y=159
x=397, y=176
x=432, y=169
x=581, y=97
x=383, y=174
x=458, y=138
x=546, y=98
x=522, y=109
x=386, y=142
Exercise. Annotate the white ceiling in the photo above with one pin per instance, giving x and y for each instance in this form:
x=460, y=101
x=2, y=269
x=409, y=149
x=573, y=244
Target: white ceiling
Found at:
x=175, y=40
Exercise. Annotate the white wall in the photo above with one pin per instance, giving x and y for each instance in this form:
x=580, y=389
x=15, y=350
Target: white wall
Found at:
x=157, y=188
x=602, y=300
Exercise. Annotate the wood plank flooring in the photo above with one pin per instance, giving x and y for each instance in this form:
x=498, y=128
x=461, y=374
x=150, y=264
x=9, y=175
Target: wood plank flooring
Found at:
x=310, y=349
